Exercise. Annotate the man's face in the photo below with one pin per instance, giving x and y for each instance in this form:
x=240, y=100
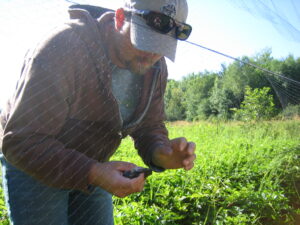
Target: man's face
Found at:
x=138, y=62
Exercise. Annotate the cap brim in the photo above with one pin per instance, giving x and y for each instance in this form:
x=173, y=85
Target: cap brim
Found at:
x=146, y=39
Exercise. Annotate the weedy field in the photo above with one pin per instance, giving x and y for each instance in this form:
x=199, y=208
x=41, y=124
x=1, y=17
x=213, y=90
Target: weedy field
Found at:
x=245, y=173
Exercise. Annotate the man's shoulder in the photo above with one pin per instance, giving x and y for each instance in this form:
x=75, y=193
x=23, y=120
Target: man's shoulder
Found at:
x=72, y=35
x=94, y=11
x=58, y=40
x=81, y=26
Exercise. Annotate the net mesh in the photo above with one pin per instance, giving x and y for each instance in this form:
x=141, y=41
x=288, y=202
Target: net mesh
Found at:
x=287, y=89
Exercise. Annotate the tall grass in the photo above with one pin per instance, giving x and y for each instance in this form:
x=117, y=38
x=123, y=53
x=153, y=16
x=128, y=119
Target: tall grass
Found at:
x=244, y=174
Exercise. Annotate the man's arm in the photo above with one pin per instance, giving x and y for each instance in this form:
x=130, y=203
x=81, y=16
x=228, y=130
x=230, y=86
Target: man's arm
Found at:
x=38, y=112
x=152, y=132
x=151, y=138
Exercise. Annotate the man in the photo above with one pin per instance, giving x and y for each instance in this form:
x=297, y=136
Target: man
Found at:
x=83, y=89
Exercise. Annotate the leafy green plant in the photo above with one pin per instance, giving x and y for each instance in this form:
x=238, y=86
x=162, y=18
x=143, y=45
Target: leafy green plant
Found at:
x=257, y=105
x=3, y=212
x=199, y=96
x=243, y=175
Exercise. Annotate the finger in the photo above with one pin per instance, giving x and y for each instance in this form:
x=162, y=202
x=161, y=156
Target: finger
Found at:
x=191, y=148
x=189, y=167
x=179, y=143
x=138, y=183
x=123, y=166
x=132, y=184
x=183, y=144
x=189, y=160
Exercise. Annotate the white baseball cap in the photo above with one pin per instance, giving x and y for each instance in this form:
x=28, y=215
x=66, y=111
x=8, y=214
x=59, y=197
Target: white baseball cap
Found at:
x=145, y=38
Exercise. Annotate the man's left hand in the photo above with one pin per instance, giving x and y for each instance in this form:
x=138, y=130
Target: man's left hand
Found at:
x=180, y=155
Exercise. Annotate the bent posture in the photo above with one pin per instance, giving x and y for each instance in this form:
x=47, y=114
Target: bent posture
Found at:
x=89, y=84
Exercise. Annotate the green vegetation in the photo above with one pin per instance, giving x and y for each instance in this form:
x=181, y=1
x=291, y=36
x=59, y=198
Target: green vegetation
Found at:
x=257, y=105
x=245, y=173
x=290, y=111
x=210, y=95
x=3, y=212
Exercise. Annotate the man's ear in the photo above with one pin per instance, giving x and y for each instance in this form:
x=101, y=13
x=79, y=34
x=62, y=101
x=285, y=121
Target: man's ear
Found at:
x=119, y=18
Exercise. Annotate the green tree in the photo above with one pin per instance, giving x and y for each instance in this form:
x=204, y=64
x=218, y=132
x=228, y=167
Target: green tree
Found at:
x=238, y=75
x=287, y=85
x=206, y=94
x=221, y=100
x=174, y=101
x=197, y=89
x=258, y=104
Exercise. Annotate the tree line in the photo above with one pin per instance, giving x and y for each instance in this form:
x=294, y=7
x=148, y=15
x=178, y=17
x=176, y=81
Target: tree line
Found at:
x=238, y=91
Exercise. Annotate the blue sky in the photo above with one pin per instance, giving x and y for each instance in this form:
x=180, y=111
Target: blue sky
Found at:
x=234, y=27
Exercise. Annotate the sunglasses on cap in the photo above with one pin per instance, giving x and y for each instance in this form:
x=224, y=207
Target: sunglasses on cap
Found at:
x=164, y=24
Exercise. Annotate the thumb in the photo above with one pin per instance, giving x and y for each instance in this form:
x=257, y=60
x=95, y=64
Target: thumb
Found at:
x=123, y=166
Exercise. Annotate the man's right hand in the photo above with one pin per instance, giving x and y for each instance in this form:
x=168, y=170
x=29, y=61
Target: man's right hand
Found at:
x=109, y=176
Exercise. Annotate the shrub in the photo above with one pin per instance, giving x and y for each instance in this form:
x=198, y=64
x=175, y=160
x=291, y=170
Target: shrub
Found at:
x=258, y=104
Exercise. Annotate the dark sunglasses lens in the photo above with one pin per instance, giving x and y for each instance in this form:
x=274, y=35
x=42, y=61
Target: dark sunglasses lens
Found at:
x=183, y=32
x=160, y=22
